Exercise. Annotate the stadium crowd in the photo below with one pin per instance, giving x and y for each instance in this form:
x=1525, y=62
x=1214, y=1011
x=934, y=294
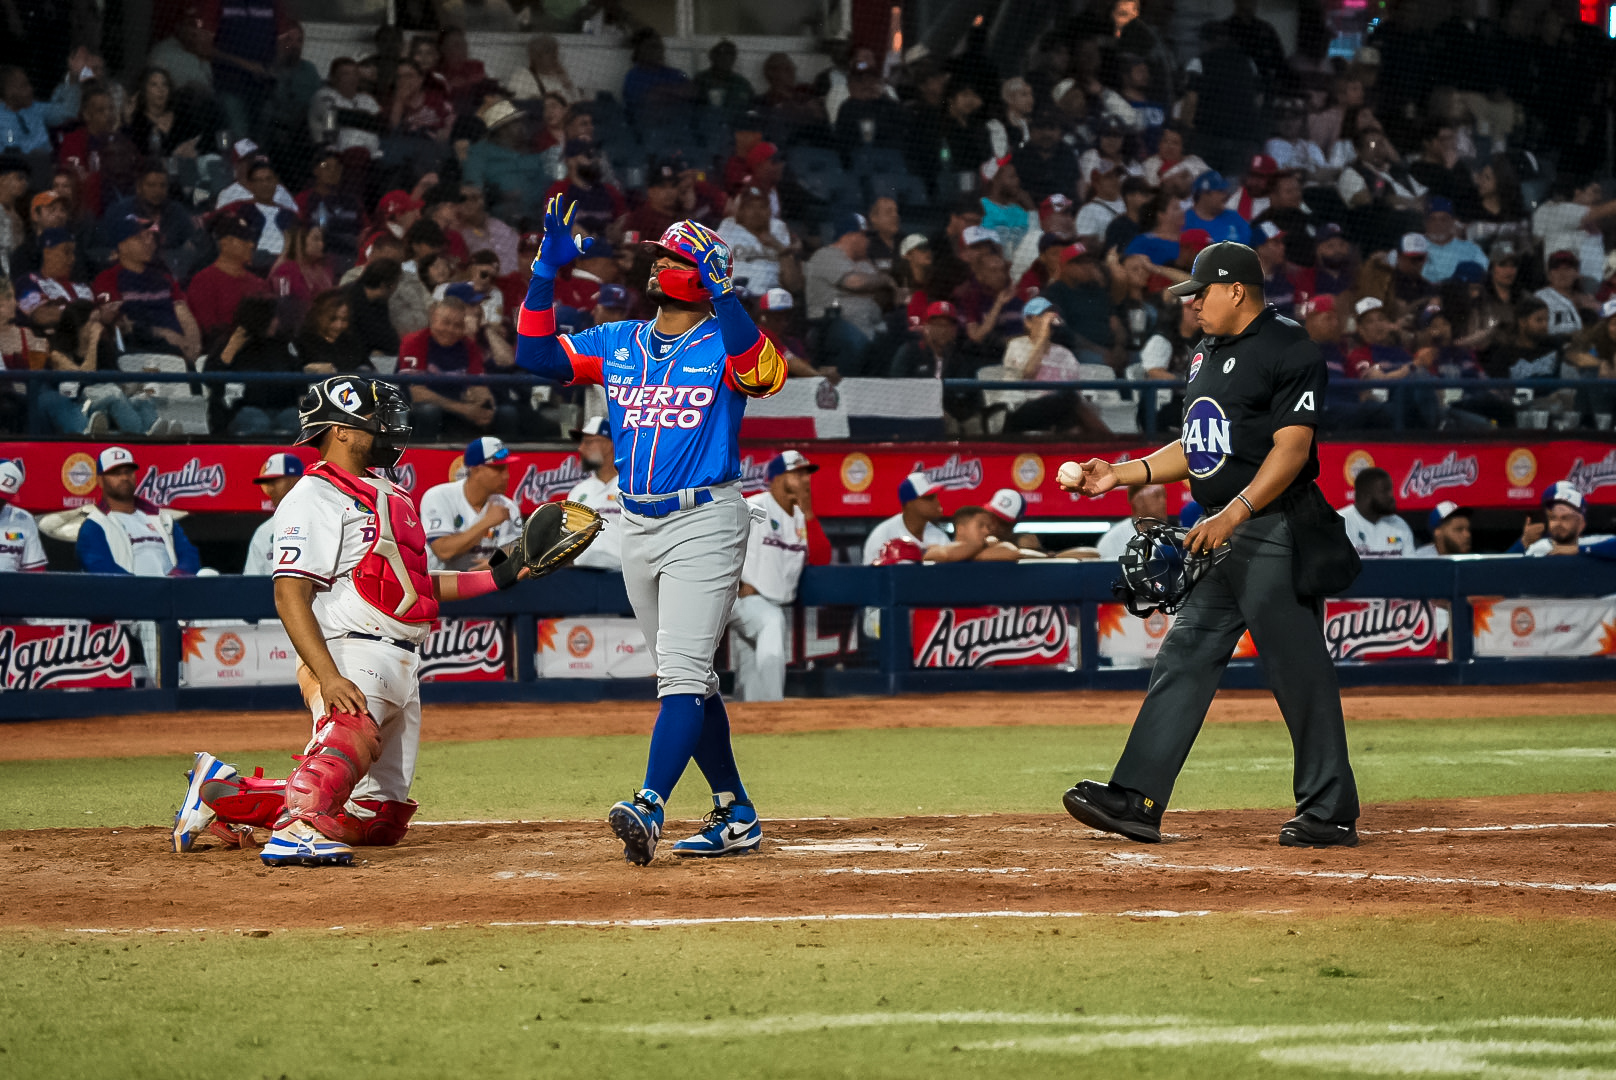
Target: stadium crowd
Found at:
x=1427, y=209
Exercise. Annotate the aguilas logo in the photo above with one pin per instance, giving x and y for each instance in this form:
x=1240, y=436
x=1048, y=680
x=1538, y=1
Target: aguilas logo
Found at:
x=463, y=646
x=189, y=481
x=34, y=658
x=1365, y=628
x=541, y=485
x=1017, y=633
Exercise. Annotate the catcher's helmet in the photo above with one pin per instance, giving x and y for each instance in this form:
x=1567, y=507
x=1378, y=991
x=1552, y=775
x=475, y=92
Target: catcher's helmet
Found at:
x=357, y=402
x=1157, y=572
x=684, y=283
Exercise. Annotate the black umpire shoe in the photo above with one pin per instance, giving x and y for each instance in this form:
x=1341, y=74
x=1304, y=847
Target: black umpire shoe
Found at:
x=1115, y=809
x=1310, y=832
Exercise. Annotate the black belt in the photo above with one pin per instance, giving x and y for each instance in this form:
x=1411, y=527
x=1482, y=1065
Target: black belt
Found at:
x=407, y=646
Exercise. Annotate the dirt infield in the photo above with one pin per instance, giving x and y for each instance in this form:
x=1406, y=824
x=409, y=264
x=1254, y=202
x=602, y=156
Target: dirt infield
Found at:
x=1520, y=855
x=178, y=733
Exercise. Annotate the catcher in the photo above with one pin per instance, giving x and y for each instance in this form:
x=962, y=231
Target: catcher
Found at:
x=353, y=591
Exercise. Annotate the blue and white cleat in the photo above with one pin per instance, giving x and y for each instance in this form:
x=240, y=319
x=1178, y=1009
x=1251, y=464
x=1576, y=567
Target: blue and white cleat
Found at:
x=638, y=823
x=194, y=815
x=732, y=829
x=301, y=844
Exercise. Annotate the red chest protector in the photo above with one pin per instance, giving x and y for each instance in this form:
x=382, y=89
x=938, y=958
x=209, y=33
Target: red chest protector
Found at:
x=392, y=576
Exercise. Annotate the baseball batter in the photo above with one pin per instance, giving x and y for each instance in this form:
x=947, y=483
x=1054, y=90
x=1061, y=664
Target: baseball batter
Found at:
x=20, y=548
x=676, y=389
x=353, y=591
x=599, y=492
x=469, y=519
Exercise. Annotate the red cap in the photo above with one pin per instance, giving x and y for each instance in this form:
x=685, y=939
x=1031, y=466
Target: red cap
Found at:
x=395, y=203
x=941, y=309
x=1564, y=257
x=530, y=241
x=1263, y=165
x=1194, y=240
x=1318, y=305
x=1073, y=251
x=1056, y=204
x=760, y=153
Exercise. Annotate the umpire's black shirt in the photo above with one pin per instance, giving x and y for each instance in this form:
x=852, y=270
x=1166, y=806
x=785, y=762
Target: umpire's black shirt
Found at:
x=1241, y=390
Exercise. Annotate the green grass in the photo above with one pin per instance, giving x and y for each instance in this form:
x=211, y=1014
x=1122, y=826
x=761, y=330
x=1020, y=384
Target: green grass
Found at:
x=1073, y=996
x=888, y=772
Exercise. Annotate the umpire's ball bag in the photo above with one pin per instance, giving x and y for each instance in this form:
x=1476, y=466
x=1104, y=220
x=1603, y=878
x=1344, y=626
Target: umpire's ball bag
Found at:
x=1326, y=563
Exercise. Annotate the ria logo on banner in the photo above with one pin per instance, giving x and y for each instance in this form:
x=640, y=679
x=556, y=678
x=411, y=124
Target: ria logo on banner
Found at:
x=1424, y=480
x=464, y=650
x=541, y=485
x=966, y=639
x=72, y=655
x=1362, y=629
x=953, y=474
x=190, y=481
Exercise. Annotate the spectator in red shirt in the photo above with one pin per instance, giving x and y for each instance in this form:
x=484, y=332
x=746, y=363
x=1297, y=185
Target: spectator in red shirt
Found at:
x=303, y=273
x=589, y=272
x=598, y=203
x=552, y=130
x=92, y=149
x=463, y=74
x=218, y=288
x=418, y=108
x=395, y=213
x=445, y=347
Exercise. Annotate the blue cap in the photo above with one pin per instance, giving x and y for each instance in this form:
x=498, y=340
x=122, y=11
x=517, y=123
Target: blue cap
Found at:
x=464, y=291
x=482, y=451
x=849, y=223
x=1036, y=306
x=1564, y=491
x=1211, y=180
x=578, y=148
x=127, y=226
x=789, y=461
x=1445, y=510
x=1470, y=273
x=917, y=485
x=1439, y=204
x=277, y=466
x=600, y=249
x=612, y=296
x=54, y=238
x=1190, y=514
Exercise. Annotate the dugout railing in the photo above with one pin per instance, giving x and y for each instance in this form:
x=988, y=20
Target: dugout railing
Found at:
x=887, y=664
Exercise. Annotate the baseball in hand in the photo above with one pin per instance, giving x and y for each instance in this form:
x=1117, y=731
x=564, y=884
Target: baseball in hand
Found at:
x=1070, y=477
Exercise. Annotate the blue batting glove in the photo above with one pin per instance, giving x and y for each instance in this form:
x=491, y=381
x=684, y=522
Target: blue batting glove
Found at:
x=559, y=247
x=713, y=263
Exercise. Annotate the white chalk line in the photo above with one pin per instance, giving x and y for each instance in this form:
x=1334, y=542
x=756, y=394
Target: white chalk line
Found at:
x=1150, y=862
x=1518, y=827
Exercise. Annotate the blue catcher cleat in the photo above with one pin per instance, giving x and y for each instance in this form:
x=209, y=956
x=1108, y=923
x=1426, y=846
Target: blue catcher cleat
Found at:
x=638, y=823
x=194, y=816
x=732, y=829
x=301, y=844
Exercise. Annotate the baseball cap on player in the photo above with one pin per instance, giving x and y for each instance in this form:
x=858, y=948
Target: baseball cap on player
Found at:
x=1445, y=510
x=789, y=461
x=278, y=466
x=1008, y=504
x=917, y=485
x=487, y=451
x=1564, y=491
x=114, y=457
x=1228, y=263
x=595, y=425
x=10, y=480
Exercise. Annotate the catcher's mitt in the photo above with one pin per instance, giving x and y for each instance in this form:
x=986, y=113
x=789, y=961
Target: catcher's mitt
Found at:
x=553, y=535
x=1157, y=572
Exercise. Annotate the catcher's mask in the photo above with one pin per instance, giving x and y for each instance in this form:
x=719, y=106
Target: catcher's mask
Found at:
x=1157, y=572
x=357, y=402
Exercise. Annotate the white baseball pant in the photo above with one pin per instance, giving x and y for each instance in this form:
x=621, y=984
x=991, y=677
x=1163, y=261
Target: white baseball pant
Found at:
x=758, y=648
x=388, y=678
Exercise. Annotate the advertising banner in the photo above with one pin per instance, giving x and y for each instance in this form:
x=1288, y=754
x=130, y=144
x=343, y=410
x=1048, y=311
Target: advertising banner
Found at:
x=248, y=654
x=592, y=647
x=464, y=650
x=1355, y=630
x=1528, y=626
x=66, y=656
x=977, y=637
x=855, y=480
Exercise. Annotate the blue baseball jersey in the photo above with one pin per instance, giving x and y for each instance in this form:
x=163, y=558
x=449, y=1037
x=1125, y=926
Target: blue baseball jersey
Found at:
x=674, y=408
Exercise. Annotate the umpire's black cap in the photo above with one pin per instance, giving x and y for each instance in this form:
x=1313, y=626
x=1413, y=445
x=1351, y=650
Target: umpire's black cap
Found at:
x=1227, y=263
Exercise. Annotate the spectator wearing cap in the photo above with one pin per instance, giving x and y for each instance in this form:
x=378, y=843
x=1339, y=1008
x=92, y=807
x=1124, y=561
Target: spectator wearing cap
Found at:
x=917, y=520
x=1170, y=167
x=1105, y=204
x=1045, y=164
x=122, y=533
x=46, y=210
x=1380, y=354
x=598, y=203
x=765, y=253
x=1035, y=356
x=152, y=312
x=1524, y=349
x=1007, y=210
x=219, y=287
x=25, y=123
x=338, y=214
x=1082, y=295
x=1409, y=288
x=20, y=549
x=502, y=166
x=912, y=271
x=469, y=519
x=1146, y=503
x=1436, y=352
x=395, y=213
x=1209, y=210
x=1348, y=404
x=446, y=348
x=652, y=90
x=43, y=294
x=1222, y=102
x=179, y=241
x=276, y=477
x=785, y=537
x=1254, y=194
x=1279, y=290
x=1287, y=211
x=1565, y=297
x=1445, y=245
x=1449, y=524
x=841, y=274
x=343, y=114
x=661, y=206
x=244, y=154
x=871, y=116
x=255, y=344
x=929, y=353
x=1566, y=508
x=1573, y=219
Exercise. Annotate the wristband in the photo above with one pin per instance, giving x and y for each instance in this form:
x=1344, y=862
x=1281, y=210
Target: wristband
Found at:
x=530, y=323
x=1148, y=474
x=1252, y=510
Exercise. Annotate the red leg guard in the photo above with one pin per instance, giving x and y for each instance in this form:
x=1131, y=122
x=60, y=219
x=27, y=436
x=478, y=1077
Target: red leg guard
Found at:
x=344, y=748
x=386, y=828
x=246, y=800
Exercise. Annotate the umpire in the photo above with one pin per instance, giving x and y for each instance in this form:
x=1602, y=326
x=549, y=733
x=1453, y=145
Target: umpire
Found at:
x=1247, y=448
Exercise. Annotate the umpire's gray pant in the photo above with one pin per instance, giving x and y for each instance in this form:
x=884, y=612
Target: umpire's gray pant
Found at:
x=1252, y=588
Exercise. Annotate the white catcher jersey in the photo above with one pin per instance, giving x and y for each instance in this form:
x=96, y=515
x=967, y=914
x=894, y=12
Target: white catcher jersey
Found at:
x=321, y=534
x=261, y=551
x=1390, y=537
x=445, y=511
x=602, y=496
x=19, y=541
x=776, y=551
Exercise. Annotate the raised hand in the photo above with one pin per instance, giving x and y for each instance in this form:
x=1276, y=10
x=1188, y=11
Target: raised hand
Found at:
x=713, y=262
x=559, y=247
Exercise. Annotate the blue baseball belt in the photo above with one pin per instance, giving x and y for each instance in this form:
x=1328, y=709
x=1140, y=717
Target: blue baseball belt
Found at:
x=655, y=506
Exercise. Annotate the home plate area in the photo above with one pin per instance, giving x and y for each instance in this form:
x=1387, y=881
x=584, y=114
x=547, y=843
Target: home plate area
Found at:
x=1523, y=854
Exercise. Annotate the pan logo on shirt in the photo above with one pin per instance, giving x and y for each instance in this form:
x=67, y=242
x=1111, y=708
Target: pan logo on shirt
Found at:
x=1205, y=438
x=1195, y=366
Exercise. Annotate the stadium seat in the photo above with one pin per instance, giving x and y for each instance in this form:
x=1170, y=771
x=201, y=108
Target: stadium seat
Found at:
x=1118, y=413
x=871, y=160
x=909, y=191
x=176, y=401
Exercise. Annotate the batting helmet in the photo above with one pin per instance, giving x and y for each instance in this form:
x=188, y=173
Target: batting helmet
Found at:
x=902, y=549
x=1157, y=571
x=684, y=283
x=357, y=402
